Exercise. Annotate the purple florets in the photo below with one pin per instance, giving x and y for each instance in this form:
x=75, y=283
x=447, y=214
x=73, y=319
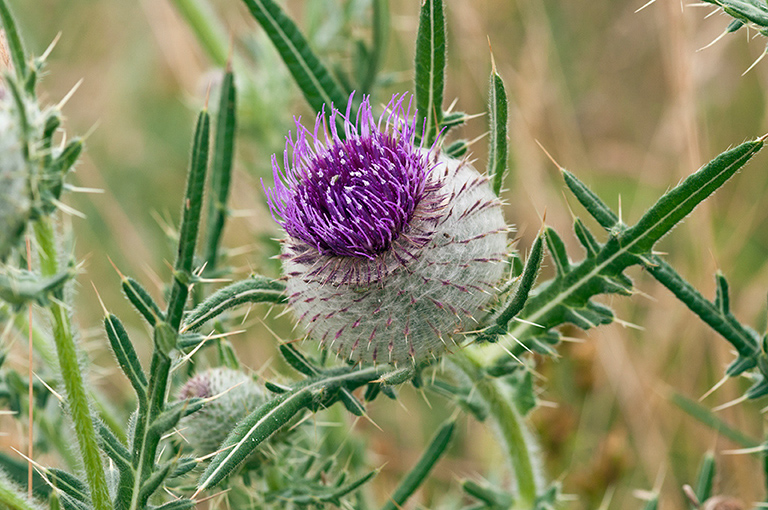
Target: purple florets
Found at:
x=353, y=197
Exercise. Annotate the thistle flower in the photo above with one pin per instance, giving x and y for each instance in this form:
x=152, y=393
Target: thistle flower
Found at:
x=236, y=395
x=392, y=248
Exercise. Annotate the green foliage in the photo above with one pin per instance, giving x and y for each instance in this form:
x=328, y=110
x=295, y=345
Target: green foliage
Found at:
x=498, y=148
x=429, y=78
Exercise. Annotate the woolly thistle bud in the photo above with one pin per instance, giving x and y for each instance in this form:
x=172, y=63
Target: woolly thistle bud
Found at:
x=392, y=248
x=14, y=180
x=236, y=395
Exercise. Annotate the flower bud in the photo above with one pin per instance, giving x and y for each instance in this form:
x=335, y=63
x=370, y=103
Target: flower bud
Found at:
x=393, y=249
x=236, y=395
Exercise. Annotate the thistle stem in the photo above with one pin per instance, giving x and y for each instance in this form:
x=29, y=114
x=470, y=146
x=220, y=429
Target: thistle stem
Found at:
x=77, y=398
x=519, y=451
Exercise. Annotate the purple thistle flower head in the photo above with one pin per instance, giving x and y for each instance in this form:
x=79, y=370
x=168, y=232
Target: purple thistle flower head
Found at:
x=392, y=248
x=354, y=197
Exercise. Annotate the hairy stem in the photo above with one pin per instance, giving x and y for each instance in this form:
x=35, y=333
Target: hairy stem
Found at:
x=77, y=398
x=510, y=425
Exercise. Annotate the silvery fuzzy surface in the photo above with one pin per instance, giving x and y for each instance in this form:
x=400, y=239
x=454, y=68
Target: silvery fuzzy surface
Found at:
x=236, y=396
x=408, y=310
x=14, y=181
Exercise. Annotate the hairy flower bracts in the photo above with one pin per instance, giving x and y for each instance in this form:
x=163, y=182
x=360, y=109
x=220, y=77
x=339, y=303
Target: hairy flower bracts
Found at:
x=232, y=393
x=392, y=248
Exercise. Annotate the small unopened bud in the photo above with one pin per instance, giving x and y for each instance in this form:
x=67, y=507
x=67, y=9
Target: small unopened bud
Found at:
x=233, y=396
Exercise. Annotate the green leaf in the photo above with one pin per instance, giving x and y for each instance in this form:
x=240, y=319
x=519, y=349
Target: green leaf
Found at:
x=716, y=315
x=527, y=280
x=322, y=390
x=524, y=391
x=251, y=432
x=314, y=80
x=420, y=471
x=190, y=223
x=221, y=170
x=708, y=418
x=126, y=355
x=493, y=498
x=591, y=202
x=16, y=470
x=430, y=68
x=303, y=365
x=153, y=482
x=256, y=289
x=15, y=46
x=69, y=484
x=586, y=238
x=557, y=250
x=179, y=504
x=498, y=147
x=457, y=149
x=567, y=298
x=142, y=301
x=681, y=200
x=706, y=478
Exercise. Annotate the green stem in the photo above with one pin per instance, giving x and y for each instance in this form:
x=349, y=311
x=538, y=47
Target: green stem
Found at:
x=510, y=425
x=77, y=398
x=44, y=349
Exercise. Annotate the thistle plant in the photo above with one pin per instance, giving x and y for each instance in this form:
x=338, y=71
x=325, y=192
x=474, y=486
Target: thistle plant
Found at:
x=396, y=264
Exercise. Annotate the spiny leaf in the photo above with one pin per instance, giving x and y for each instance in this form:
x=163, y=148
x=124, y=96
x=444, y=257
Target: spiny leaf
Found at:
x=747, y=11
x=430, y=68
x=499, y=146
x=126, y=355
x=190, y=222
x=69, y=484
x=591, y=202
x=681, y=200
x=265, y=420
x=744, y=339
x=457, y=149
x=153, y=482
x=221, y=169
x=493, y=498
x=557, y=250
x=179, y=504
x=314, y=80
x=256, y=289
x=142, y=301
x=528, y=278
x=420, y=471
x=251, y=432
x=567, y=298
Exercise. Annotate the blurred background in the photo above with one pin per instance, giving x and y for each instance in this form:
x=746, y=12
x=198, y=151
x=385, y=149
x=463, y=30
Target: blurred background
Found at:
x=623, y=99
